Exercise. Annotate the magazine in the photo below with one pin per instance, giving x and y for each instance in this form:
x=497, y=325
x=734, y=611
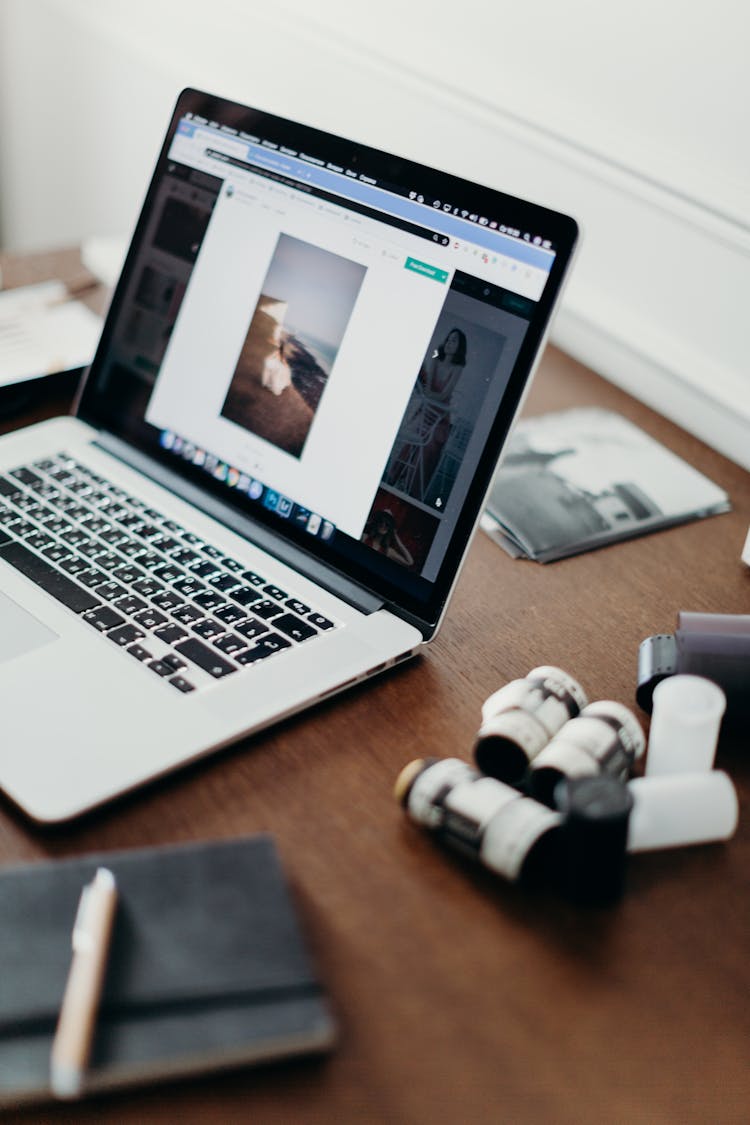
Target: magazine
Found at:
x=579, y=479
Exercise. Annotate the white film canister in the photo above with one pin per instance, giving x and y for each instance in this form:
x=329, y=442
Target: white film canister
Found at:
x=519, y=719
x=685, y=725
x=678, y=809
x=604, y=740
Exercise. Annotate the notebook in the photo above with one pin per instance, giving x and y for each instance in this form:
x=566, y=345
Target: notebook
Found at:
x=311, y=362
x=207, y=967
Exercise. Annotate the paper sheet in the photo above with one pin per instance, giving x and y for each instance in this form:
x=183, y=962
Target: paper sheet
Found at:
x=43, y=331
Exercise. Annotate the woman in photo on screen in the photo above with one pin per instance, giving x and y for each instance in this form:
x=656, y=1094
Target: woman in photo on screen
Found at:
x=381, y=535
x=427, y=425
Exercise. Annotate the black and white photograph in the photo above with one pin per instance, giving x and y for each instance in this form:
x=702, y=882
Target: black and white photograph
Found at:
x=579, y=479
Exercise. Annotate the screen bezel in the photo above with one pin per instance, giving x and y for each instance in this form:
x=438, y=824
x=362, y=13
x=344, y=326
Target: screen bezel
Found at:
x=421, y=601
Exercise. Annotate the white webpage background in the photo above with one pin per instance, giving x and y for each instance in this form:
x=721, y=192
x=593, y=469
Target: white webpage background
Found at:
x=372, y=377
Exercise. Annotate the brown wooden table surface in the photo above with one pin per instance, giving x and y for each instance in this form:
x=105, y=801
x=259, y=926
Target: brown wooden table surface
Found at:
x=460, y=998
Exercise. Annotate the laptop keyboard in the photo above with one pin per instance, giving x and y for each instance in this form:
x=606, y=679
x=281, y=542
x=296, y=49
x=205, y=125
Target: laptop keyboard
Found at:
x=167, y=597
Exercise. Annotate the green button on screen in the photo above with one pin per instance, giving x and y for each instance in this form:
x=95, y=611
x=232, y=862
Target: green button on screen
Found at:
x=426, y=270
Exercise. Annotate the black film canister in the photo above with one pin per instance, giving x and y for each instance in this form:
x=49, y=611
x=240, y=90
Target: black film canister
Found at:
x=596, y=811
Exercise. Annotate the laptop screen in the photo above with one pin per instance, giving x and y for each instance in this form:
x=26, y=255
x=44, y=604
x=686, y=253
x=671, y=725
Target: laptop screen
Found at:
x=333, y=340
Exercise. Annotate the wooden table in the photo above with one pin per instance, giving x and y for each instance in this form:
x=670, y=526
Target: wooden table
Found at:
x=461, y=999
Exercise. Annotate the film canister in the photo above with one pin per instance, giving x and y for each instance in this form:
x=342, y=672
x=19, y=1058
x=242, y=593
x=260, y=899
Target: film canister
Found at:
x=596, y=814
x=520, y=718
x=481, y=817
x=678, y=809
x=605, y=739
x=687, y=714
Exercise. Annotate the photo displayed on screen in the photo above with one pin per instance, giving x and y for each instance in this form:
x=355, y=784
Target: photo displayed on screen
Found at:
x=400, y=531
x=430, y=447
x=295, y=333
x=443, y=408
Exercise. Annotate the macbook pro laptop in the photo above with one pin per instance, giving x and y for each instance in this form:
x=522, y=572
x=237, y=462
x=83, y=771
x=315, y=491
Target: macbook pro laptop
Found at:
x=310, y=365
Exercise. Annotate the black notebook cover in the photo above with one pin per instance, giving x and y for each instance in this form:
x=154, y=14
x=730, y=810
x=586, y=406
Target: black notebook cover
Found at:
x=207, y=966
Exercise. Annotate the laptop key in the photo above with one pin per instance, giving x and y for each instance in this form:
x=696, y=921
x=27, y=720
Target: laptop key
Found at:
x=244, y=595
x=170, y=633
x=8, y=488
x=55, y=583
x=139, y=652
x=57, y=553
x=23, y=527
x=75, y=537
x=131, y=548
x=150, y=618
x=74, y=565
x=295, y=606
x=208, y=629
x=147, y=587
x=210, y=600
x=164, y=543
x=275, y=592
x=187, y=614
x=92, y=577
x=26, y=476
x=108, y=561
x=264, y=648
x=167, y=600
x=40, y=541
x=253, y=578
x=227, y=613
x=103, y=618
x=230, y=644
x=160, y=668
x=168, y=573
x=206, y=658
x=184, y=556
x=294, y=627
x=189, y=588
x=181, y=684
x=319, y=621
x=128, y=574
x=149, y=560
x=173, y=662
x=252, y=628
x=225, y=582
x=126, y=635
x=92, y=549
x=130, y=604
x=267, y=609
x=205, y=569
x=110, y=591
x=116, y=536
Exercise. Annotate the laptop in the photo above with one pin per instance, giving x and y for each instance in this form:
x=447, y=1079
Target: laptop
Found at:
x=310, y=365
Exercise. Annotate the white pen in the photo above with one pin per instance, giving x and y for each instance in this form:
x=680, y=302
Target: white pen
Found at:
x=92, y=932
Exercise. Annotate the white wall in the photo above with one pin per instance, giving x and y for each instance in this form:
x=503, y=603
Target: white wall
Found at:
x=632, y=116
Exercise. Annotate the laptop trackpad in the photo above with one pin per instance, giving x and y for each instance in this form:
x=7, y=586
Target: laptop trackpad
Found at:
x=20, y=632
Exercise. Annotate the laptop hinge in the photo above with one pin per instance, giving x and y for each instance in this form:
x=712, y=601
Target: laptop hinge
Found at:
x=255, y=533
